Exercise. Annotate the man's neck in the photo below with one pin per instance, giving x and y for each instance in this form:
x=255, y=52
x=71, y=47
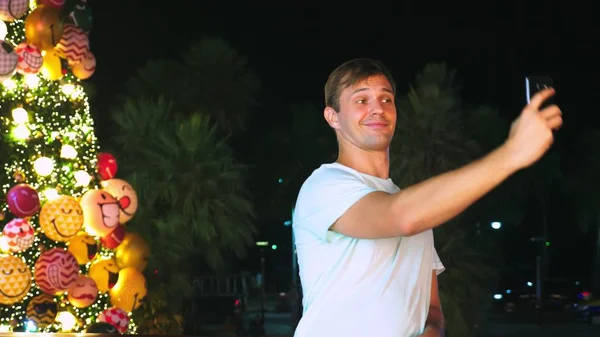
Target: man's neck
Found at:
x=372, y=163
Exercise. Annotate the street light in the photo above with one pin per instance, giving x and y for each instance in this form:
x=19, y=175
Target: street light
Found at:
x=262, y=244
x=496, y=225
x=538, y=271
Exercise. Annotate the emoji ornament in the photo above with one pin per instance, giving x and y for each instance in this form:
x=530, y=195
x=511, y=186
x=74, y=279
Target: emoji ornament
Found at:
x=84, y=247
x=19, y=235
x=100, y=212
x=15, y=279
x=117, y=317
x=125, y=195
x=43, y=27
x=56, y=270
x=105, y=272
x=42, y=310
x=23, y=201
x=61, y=218
x=133, y=252
x=83, y=293
x=129, y=291
x=13, y=9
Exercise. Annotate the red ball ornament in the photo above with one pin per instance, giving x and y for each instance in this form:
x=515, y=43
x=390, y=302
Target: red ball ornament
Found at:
x=56, y=270
x=114, y=239
x=116, y=317
x=23, y=201
x=58, y=4
x=107, y=165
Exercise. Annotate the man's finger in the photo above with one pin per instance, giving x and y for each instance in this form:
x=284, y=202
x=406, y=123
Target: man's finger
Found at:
x=540, y=97
x=551, y=111
x=555, y=122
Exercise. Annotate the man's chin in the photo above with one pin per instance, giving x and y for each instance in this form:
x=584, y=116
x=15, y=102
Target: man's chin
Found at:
x=381, y=147
x=381, y=144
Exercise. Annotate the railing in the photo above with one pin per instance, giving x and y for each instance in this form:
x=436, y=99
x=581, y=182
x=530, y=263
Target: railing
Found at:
x=223, y=285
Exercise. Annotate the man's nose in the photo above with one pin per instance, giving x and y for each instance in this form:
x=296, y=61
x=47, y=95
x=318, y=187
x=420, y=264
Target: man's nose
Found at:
x=376, y=108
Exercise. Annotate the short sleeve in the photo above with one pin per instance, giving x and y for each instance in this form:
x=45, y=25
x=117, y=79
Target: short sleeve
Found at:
x=438, y=266
x=324, y=197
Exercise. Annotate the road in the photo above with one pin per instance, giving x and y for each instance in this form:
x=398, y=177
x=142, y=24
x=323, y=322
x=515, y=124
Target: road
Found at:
x=549, y=330
x=522, y=325
x=279, y=325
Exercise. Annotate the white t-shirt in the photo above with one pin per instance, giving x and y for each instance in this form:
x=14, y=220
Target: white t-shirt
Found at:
x=357, y=287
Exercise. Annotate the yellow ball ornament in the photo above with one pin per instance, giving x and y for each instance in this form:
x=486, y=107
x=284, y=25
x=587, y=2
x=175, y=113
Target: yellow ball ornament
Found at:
x=52, y=68
x=105, y=272
x=61, y=218
x=43, y=27
x=84, y=247
x=133, y=252
x=129, y=291
x=15, y=279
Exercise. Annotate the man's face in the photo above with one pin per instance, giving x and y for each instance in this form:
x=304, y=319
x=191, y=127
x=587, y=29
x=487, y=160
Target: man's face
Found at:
x=367, y=116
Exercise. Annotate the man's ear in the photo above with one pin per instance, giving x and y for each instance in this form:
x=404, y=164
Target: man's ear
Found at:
x=331, y=116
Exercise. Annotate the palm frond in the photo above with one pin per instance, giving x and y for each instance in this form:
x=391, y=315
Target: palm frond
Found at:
x=206, y=79
x=193, y=201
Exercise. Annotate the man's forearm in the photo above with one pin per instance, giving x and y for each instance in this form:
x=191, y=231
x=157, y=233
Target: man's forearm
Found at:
x=435, y=201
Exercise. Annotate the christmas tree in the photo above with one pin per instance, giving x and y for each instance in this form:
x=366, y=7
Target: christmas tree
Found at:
x=66, y=261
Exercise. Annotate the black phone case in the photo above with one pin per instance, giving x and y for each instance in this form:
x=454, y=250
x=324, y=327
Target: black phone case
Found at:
x=534, y=84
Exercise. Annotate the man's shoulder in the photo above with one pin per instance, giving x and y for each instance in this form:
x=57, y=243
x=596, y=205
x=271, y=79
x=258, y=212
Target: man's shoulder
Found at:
x=329, y=178
x=327, y=185
x=332, y=173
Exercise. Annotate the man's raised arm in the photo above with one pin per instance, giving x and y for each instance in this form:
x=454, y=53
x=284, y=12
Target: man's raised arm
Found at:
x=435, y=201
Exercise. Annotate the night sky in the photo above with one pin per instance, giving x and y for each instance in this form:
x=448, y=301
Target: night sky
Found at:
x=294, y=46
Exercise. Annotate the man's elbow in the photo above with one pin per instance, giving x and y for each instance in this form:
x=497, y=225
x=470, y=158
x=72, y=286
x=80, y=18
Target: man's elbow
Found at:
x=408, y=224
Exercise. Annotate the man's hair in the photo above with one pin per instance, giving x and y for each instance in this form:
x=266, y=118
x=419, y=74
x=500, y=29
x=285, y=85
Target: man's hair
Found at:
x=348, y=74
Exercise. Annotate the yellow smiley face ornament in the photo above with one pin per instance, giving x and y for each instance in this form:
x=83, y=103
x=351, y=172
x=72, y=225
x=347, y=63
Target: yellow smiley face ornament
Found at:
x=61, y=218
x=84, y=247
x=129, y=291
x=15, y=279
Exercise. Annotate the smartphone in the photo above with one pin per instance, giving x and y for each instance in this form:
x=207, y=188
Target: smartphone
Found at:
x=533, y=84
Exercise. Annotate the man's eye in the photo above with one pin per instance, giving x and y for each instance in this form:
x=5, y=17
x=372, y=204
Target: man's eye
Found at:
x=361, y=101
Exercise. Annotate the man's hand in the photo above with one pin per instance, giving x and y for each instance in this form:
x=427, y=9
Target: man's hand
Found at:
x=531, y=134
x=431, y=331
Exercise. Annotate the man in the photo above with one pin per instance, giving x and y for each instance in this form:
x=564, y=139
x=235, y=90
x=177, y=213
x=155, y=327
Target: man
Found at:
x=368, y=264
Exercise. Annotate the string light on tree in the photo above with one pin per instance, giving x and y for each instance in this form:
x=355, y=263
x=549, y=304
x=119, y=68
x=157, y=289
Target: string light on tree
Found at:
x=20, y=116
x=68, y=152
x=43, y=166
x=54, y=216
x=3, y=30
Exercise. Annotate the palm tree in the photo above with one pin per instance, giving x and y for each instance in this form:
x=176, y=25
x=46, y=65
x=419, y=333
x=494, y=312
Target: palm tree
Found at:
x=307, y=142
x=431, y=138
x=194, y=208
x=429, y=133
x=484, y=125
x=211, y=77
x=303, y=143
